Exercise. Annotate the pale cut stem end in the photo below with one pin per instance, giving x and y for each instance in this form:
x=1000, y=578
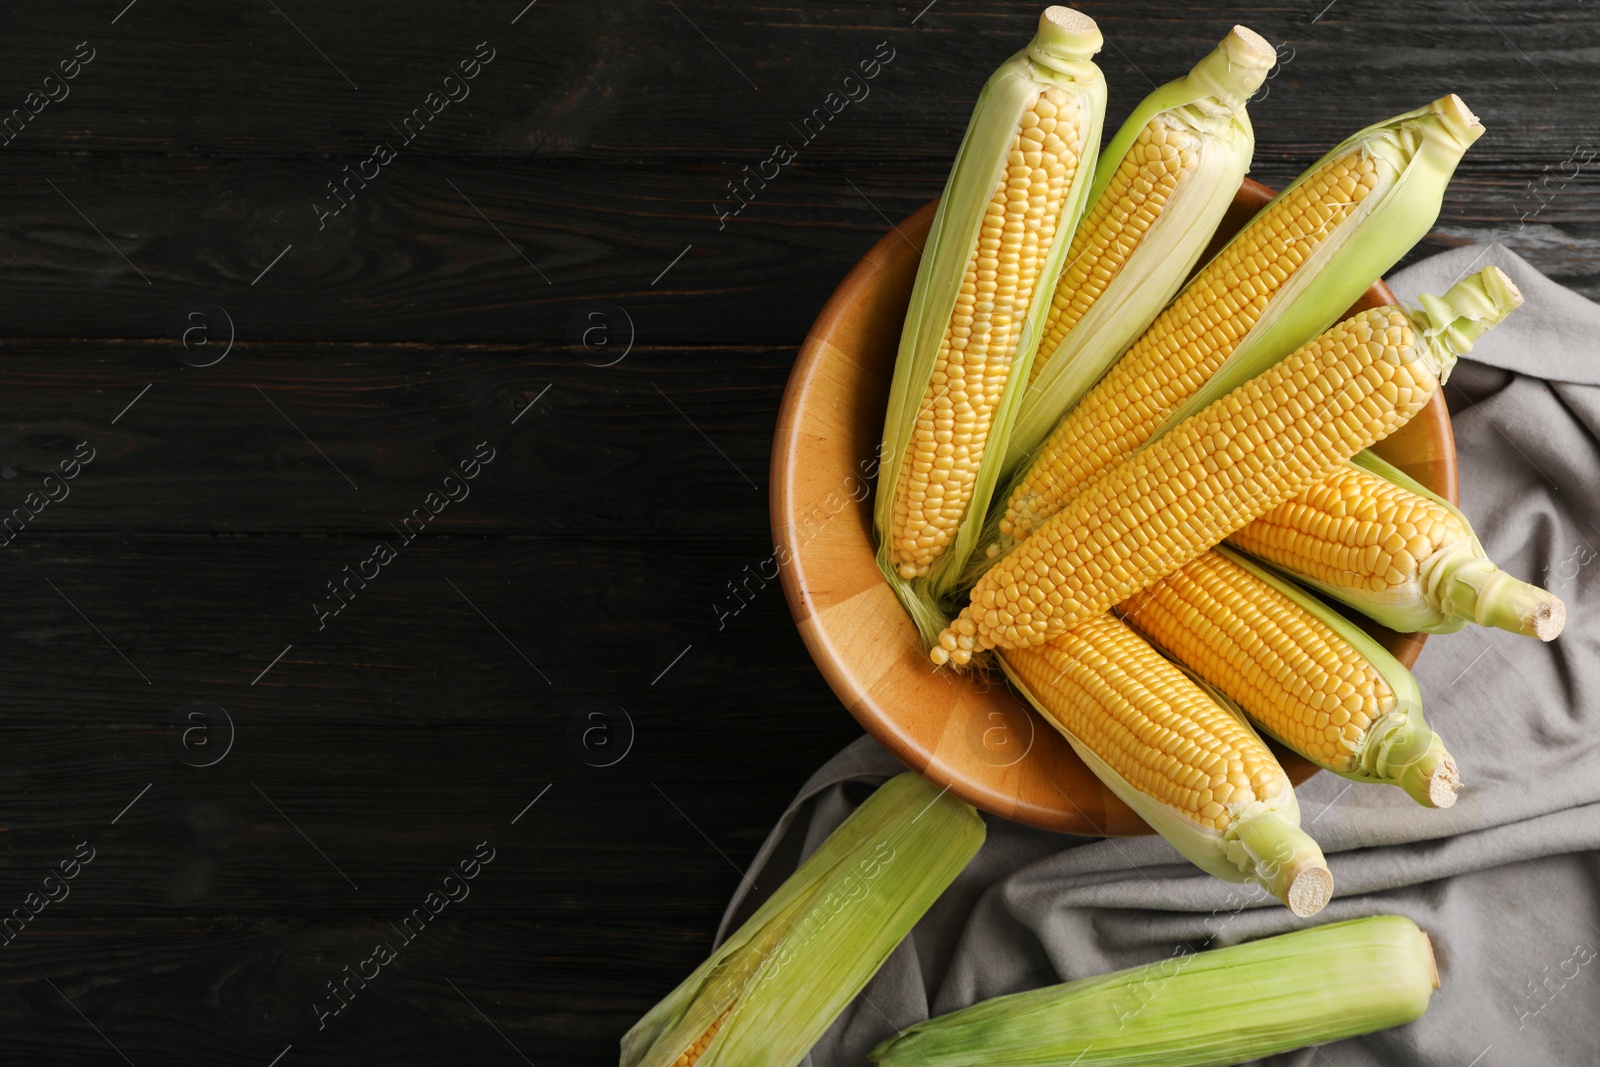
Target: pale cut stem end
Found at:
x=1414, y=758
x=1433, y=961
x=1245, y=44
x=1458, y=118
x=1432, y=783
x=1286, y=862
x=1059, y=17
x=1492, y=597
x=1443, y=785
x=1310, y=891
x=1235, y=69
x=1067, y=33
x=1547, y=620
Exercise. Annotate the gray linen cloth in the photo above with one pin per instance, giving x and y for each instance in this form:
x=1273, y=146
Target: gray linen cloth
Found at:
x=1507, y=882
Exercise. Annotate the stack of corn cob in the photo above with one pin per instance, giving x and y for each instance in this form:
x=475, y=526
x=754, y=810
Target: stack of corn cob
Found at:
x=1073, y=432
x=1125, y=424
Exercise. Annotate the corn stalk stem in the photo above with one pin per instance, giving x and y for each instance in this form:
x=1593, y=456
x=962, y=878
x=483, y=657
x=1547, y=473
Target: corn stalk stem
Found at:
x=1474, y=589
x=1449, y=324
x=1284, y=860
x=1402, y=749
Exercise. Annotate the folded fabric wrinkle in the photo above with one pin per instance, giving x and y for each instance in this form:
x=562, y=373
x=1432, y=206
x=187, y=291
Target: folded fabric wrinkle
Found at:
x=1504, y=882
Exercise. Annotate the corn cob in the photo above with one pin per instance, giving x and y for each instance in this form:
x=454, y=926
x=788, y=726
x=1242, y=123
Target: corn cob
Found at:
x=1262, y=444
x=1191, y=768
x=768, y=993
x=1299, y=670
x=1280, y=282
x=1227, y=1005
x=1019, y=183
x=1160, y=189
x=1373, y=538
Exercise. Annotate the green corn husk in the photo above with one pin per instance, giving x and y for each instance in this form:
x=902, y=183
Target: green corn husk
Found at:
x=1059, y=57
x=1400, y=748
x=781, y=979
x=1208, y=104
x=1456, y=585
x=1206, y=1009
x=1421, y=149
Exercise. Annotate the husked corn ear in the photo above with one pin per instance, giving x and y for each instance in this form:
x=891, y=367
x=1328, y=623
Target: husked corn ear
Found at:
x=1160, y=732
x=777, y=983
x=1268, y=440
x=1260, y=648
x=1187, y=344
x=1277, y=284
x=1161, y=187
x=1192, y=767
x=998, y=239
x=1354, y=529
x=1236, y=1004
x=1162, y=156
x=1384, y=545
x=1299, y=671
x=940, y=466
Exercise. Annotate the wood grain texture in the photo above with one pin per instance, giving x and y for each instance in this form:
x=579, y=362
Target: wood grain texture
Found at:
x=431, y=252
x=577, y=143
x=668, y=441
x=223, y=841
x=634, y=81
x=611, y=533
x=455, y=630
x=412, y=261
x=196, y=991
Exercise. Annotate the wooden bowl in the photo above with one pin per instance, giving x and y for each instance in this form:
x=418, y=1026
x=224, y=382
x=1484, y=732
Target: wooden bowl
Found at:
x=979, y=739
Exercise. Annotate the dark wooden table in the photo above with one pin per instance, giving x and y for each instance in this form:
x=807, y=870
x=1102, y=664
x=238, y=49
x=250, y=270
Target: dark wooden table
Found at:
x=275, y=738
